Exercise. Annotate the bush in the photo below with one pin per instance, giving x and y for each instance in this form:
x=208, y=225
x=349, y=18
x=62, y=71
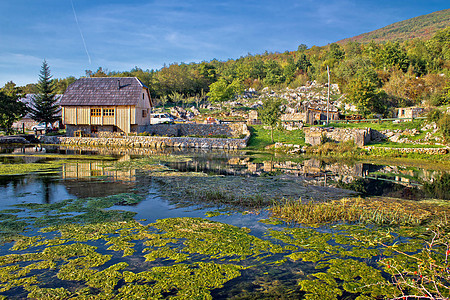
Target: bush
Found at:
x=444, y=126
x=434, y=115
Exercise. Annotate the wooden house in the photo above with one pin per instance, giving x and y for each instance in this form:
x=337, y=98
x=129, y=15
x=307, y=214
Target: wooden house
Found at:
x=106, y=104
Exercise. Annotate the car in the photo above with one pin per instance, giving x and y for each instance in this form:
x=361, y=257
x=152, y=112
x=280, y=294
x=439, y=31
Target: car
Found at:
x=161, y=118
x=41, y=126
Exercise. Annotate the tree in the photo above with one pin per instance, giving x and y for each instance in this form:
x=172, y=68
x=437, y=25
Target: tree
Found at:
x=361, y=93
x=45, y=108
x=270, y=113
x=163, y=100
x=221, y=90
x=11, y=109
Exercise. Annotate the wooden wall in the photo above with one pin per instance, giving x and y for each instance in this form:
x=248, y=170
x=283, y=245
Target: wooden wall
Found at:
x=124, y=116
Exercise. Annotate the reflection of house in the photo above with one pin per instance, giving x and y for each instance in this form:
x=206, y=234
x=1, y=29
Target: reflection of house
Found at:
x=27, y=121
x=110, y=104
x=409, y=112
x=95, y=169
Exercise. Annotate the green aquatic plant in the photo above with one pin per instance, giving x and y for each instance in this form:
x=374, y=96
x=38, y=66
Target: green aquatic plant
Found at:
x=214, y=239
x=25, y=168
x=69, y=211
x=64, y=251
x=347, y=275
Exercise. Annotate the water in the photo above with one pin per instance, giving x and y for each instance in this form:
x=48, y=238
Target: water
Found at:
x=162, y=197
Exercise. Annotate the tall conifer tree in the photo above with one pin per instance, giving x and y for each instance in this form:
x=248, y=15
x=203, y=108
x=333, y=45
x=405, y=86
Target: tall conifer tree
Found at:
x=45, y=108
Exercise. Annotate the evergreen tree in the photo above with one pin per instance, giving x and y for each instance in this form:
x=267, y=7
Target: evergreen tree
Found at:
x=44, y=108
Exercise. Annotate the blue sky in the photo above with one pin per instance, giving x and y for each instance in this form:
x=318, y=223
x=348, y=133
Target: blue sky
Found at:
x=119, y=35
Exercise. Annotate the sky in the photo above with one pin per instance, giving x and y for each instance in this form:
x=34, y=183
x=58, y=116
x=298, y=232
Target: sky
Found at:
x=78, y=35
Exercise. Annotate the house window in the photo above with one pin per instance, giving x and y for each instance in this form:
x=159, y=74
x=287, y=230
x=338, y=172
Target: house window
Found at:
x=108, y=112
x=96, y=112
x=144, y=113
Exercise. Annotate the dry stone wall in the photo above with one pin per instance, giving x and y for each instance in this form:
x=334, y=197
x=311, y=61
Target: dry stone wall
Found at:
x=229, y=130
x=160, y=142
x=316, y=135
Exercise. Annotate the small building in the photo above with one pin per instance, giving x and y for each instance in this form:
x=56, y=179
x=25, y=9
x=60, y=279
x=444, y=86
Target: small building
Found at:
x=409, y=112
x=106, y=104
x=319, y=115
x=253, y=118
x=27, y=122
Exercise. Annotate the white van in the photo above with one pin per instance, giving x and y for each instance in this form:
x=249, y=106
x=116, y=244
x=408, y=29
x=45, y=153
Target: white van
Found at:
x=160, y=118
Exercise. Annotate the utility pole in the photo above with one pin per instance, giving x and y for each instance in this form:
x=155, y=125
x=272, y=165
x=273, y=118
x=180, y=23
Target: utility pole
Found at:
x=328, y=98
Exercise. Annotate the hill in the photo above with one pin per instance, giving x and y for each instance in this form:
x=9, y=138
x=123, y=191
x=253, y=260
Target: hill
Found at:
x=422, y=27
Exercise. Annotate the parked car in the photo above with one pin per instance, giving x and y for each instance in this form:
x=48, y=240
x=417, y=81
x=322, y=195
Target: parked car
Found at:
x=41, y=127
x=161, y=118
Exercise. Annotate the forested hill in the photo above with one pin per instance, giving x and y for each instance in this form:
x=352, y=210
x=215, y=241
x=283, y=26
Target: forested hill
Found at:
x=422, y=27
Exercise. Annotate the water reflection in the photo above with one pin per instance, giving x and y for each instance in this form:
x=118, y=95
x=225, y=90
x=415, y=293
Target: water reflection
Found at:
x=90, y=178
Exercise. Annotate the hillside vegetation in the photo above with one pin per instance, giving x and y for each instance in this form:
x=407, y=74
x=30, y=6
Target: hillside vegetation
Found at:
x=422, y=27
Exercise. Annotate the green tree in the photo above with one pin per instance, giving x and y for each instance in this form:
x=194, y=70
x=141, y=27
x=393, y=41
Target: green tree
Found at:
x=444, y=127
x=361, y=93
x=221, y=90
x=163, y=100
x=270, y=113
x=11, y=109
x=45, y=107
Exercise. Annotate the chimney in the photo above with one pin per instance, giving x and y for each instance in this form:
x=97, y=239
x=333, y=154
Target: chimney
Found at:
x=118, y=84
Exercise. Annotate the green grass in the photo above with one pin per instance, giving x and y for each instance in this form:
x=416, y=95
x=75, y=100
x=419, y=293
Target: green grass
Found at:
x=417, y=124
x=261, y=137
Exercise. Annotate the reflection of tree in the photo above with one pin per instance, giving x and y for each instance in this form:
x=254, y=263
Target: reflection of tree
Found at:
x=440, y=188
x=46, y=184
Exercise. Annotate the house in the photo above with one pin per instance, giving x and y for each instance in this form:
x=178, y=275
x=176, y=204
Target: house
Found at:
x=106, y=104
x=409, y=112
x=27, y=122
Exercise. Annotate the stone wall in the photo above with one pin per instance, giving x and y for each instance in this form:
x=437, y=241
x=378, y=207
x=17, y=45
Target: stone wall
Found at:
x=316, y=135
x=157, y=142
x=413, y=150
x=199, y=130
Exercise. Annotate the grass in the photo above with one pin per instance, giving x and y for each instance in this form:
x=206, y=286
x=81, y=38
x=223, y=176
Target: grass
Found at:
x=260, y=137
x=380, y=126
x=379, y=211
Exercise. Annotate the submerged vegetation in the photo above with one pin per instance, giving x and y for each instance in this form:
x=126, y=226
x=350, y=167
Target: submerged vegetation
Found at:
x=347, y=248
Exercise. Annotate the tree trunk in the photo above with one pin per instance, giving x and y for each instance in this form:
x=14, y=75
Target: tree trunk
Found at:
x=271, y=132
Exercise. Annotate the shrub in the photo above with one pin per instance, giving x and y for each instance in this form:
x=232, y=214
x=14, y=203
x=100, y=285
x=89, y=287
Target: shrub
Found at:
x=444, y=126
x=434, y=115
